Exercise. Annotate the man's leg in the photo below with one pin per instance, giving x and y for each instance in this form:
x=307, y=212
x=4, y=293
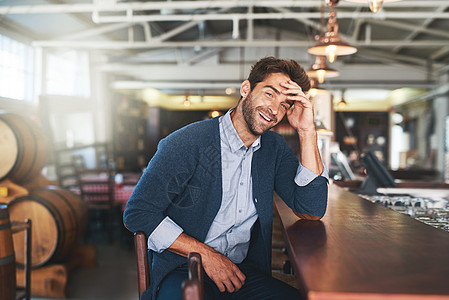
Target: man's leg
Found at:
x=259, y=286
x=170, y=287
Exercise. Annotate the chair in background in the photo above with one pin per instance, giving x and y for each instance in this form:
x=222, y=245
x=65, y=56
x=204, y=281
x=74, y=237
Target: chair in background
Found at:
x=192, y=288
x=96, y=187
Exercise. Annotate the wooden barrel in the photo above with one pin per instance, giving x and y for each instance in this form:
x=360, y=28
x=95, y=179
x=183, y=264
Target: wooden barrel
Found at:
x=7, y=262
x=59, y=220
x=23, y=148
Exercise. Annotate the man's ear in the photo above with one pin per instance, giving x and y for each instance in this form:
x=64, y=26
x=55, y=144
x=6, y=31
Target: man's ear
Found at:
x=245, y=88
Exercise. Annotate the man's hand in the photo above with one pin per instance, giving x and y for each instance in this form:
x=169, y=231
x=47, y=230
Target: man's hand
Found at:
x=226, y=275
x=301, y=116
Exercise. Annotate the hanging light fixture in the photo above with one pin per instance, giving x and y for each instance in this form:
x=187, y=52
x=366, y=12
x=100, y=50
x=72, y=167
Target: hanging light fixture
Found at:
x=331, y=44
x=320, y=70
x=374, y=5
x=314, y=88
x=186, y=101
x=342, y=103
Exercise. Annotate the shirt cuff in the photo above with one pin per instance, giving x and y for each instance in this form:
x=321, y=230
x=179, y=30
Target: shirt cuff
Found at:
x=304, y=176
x=164, y=235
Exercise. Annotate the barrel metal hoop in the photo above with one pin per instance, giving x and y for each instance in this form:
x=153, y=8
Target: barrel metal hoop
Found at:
x=5, y=226
x=7, y=259
x=4, y=214
x=64, y=198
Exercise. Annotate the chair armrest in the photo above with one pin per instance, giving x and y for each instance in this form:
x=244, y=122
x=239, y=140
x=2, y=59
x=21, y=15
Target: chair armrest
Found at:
x=193, y=288
x=143, y=272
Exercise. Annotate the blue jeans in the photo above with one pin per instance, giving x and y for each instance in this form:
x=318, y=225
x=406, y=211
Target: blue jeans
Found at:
x=257, y=286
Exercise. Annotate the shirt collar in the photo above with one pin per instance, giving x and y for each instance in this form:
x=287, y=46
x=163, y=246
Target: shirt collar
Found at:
x=231, y=135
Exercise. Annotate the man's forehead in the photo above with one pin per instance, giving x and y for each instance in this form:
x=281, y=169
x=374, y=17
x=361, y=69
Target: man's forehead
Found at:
x=274, y=80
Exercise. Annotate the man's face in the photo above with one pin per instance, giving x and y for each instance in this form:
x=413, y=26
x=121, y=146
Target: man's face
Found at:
x=265, y=106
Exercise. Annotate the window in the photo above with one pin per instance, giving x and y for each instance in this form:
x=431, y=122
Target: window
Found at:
x=16, y=69
x=68, y=74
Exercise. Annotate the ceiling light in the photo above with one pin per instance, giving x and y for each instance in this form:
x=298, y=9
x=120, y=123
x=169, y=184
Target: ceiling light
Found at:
x=342, y=103
x=320, y=70
x=314, y=88
x=186, y=102
x=230, y=90
x=374, y=5
x=331, y=44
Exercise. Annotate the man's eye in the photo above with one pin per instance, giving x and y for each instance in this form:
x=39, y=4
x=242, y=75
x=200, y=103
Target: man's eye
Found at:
x=269, y=94
x=284, y=106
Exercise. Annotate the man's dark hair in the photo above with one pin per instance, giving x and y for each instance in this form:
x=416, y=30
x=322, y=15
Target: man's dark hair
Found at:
x=269, y=65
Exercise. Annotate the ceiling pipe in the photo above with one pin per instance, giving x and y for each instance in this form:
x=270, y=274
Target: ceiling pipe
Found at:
x=260, y=16
x=174, y=5
x=114, y=45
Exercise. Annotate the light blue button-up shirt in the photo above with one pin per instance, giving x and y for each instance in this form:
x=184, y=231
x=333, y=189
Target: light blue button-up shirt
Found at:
x=230, y=231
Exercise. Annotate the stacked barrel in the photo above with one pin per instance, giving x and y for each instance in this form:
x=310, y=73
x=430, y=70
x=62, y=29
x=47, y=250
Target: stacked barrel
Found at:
x=58, y=215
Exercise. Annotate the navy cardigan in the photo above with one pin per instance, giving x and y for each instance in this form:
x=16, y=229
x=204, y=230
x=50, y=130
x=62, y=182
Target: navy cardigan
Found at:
x=183, y=181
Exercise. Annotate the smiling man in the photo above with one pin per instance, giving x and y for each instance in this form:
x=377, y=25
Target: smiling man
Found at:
x=209, y=189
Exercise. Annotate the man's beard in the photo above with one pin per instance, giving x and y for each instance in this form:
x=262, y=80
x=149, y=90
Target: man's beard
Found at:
x=251, y=113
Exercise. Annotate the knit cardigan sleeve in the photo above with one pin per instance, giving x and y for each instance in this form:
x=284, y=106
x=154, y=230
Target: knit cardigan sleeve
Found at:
x=309, y=199
x=165, y=179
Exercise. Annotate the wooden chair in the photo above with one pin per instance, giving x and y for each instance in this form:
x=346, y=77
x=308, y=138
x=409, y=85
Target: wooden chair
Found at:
x=97, y=191
x=192, y=288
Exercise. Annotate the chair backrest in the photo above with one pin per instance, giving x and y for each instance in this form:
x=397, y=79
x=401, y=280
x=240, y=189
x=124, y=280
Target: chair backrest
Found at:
x=192, y=288
x=96, y=186
x=143, y=272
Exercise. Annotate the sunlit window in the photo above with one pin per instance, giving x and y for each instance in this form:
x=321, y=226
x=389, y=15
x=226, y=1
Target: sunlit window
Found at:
x=16, y=69
x=68, y=73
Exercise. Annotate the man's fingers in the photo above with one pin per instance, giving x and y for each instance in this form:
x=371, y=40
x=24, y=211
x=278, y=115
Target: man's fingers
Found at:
x=229, y=286
x=240, y=276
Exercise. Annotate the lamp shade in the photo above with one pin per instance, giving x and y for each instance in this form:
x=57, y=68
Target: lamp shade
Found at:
x=374, y=5
x=314, y=88
x=331, y=44
x=320, y=70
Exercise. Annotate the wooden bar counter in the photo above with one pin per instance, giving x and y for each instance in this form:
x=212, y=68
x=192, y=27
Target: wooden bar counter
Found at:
x=362, y=250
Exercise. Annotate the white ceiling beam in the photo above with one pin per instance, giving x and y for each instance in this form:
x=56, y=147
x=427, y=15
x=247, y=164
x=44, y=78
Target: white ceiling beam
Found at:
x=160, y=5
x=229, y=72
x=138, y=85
x=115, y=45
x=95, y=31
x=440, y=53
x=264, y=16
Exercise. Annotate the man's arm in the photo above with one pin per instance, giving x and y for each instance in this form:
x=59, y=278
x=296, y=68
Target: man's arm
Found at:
x=301, y=118
x=310, y=159
x=225, y=274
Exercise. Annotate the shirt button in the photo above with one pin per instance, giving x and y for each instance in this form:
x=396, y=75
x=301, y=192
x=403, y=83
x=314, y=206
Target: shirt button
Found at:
x=240, y=210
x=241, y=183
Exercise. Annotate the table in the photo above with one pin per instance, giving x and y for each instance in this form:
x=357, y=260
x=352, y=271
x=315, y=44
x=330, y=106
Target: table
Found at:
x=362, y=250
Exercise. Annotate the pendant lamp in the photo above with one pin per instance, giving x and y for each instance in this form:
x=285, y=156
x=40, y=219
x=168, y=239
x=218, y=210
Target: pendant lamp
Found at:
x=314, y=88
x=342, y=103
x=331, y=45
x=374, y=5
x=320, y=70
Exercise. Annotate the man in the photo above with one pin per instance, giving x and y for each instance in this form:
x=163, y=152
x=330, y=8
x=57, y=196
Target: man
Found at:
x=209, y=189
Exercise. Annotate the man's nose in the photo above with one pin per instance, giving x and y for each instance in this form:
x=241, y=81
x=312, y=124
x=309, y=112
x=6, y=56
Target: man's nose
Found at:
x=273, y=107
